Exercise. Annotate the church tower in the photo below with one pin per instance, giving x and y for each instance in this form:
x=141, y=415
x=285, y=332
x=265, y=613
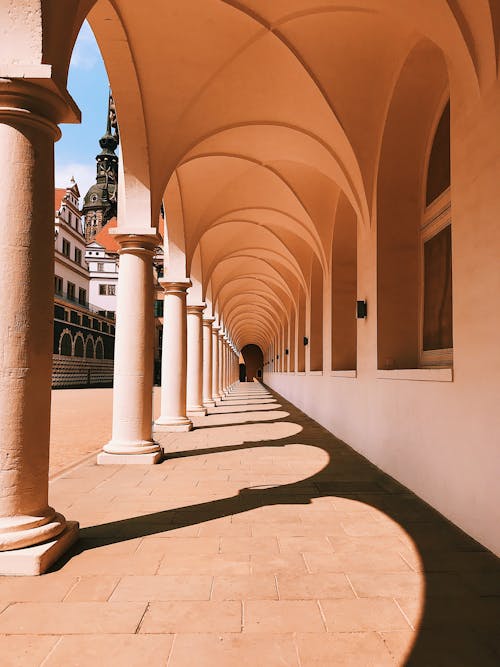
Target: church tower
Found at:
x=99, y=204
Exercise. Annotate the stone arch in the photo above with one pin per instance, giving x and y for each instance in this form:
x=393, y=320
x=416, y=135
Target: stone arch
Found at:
x=99, y=348
x=66, y=343
x=78, y=346
x=89, y=348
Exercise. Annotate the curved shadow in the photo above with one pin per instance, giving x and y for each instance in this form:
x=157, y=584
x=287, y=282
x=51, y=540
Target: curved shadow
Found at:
x=458, y=614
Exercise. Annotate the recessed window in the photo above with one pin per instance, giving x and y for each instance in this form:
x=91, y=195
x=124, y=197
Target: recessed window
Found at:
x=107, y=290
x=58, y=285
x=66, y=248
x=82, y=296
x=70, y=291
x=100, y=266
x=78, y=256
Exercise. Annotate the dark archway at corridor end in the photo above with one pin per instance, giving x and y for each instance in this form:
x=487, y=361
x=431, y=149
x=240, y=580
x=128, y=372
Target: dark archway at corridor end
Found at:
x=254, y=362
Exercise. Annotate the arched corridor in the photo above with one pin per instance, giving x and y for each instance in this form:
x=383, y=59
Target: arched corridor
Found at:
x=315, y=181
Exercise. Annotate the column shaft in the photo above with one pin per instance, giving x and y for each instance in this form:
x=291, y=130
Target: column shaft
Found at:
x=194, y=397
x=174, y=359
x=215, y=364
x=208, y=400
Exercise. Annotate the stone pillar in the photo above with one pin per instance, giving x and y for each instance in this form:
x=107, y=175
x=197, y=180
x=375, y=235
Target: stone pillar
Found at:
x=174, y=359
x=208, y=400
x=221, y=365
x=131, y=440
x=28, y=129
x=194, y=388
x=215, y=363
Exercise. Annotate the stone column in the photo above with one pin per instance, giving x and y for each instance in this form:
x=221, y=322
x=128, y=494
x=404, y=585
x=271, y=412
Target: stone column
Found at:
x=28, y=129
x=208, y=400
x=131, y=440
x=215, y=363
x=194, y=397
x=174, y=359
x=221, y=365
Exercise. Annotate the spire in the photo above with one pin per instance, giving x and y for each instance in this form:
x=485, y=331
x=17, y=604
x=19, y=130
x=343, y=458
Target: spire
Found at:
x=99, y=204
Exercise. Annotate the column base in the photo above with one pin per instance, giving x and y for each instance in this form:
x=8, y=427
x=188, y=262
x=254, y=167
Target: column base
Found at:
x=37, y=559
x=209, y=404
x=105, y=458
x=196, y=411
x=172, y=425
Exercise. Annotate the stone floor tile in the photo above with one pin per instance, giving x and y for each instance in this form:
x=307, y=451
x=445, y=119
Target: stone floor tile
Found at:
x=106, y=650
x=60, y=618
x=282, y=616
x=218, y=528
x=228, y=650
x=388, y=585
x=249, y=587
x=92, y=589
x=163, y=588
x=229, y=564
x=291, y=563
x=249, y=545
x=346, y=649
x=183, y=616
x=179, y=545
x=49, y=588
x=370, y=561
x=313, y=586
x=302, y=544
x=26, y=650
x=92, y=562
x=362, y=615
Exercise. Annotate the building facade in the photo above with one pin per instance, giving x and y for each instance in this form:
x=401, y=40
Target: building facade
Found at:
x=83, y=347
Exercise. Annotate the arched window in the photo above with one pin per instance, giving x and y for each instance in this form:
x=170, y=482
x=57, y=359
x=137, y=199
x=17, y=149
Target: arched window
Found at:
x=409, y=202
x=79, y=346
x=89, y=348
x=65, y=343
x=436, y=343
x=99, y=349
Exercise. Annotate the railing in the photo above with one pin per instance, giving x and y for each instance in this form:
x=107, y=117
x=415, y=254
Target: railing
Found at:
x=82, y=304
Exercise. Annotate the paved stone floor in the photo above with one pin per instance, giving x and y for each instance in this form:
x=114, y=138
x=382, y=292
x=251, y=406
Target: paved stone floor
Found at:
x=260, y=540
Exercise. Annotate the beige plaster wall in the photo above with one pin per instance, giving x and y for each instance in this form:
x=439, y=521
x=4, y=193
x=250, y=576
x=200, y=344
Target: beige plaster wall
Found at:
x=441, y=439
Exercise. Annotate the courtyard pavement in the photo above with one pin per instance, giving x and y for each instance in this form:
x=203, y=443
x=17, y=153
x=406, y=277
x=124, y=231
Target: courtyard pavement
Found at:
x=260, y=540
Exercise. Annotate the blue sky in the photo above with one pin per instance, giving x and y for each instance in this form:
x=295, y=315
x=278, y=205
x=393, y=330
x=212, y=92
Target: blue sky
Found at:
x=88, y=85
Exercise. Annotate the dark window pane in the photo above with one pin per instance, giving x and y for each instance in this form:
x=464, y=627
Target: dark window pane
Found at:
x=438, y=332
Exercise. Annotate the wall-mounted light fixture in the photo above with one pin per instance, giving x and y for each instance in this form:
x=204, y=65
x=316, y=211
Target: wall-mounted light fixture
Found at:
x=277, y=356
x=286, y=351
x=306, y=340
x=361, y=309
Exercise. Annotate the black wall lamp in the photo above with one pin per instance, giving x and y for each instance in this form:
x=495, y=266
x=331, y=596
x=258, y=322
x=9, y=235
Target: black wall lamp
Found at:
x=361, y=309
x=286, y=351
x=306, y=340
x=277, y=356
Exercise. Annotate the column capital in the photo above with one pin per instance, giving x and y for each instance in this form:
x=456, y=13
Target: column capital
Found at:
x=175, y=286
x=221, y=333
x=40, y=102
x=196, y=309
x=136, y=241
x=215, y=329
x=208, y=321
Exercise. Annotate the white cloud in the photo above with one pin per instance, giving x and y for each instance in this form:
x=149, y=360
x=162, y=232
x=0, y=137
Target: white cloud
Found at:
x=84, y=175
x=86, y=53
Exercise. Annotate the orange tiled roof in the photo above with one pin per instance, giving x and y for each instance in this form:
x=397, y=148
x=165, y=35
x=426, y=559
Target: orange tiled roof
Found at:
x=105, y=239
x=58, y=197
x=109, y=242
